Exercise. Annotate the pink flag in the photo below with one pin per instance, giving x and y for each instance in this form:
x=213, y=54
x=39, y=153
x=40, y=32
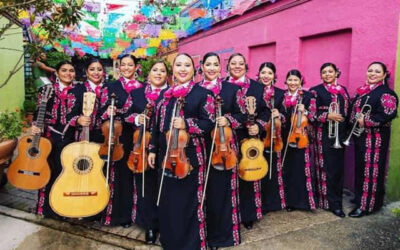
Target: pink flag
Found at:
x=240, y=6
x=111, y=6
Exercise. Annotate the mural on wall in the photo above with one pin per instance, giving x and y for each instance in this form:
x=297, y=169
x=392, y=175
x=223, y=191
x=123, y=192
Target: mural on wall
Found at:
x=143, y=28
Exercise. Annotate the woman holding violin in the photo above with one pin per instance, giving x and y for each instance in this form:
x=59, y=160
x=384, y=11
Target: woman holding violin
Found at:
x=250, y=191
x=373, y=109
x=119, y=209
x=95, y=81
x=56, y=128
x=222, y=191
x=272, y=186
x=299, y=110
x=142, y=115
x=184, y=117
x=332, y=102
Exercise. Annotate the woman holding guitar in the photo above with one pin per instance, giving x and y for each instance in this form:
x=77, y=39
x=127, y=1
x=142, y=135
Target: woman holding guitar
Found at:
x=273, y=196
x=56, y=128
x=95, y=81
x=119, y=209
x=184, y=117
x=222, y=190
x=250, y=191
x=142, y=111
x=299, y=109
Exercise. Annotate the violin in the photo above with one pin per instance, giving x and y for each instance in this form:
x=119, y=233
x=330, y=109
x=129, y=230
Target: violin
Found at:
x=223, y=157
x=273, y=129
x=137, y=159
x=176, y=160
x=112, y=130
x=298, y=137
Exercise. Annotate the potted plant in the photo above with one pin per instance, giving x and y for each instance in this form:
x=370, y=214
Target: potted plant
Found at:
x=10, y=129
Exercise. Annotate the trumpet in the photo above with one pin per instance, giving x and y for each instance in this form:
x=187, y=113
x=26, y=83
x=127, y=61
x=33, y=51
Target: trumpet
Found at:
x=333, y=129
x=357, y=131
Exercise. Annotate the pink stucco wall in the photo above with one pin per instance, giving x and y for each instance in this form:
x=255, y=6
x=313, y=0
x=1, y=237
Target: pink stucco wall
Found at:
x=304, y=34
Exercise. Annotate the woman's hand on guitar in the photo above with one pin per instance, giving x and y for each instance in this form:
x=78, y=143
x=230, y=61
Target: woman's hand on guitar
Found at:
x=222, y=121
x=35, y=130
x=142, y=118
x=253, y=130
x=179, y=123
x=110, y=110
x=152, y=160
x=275, y=113
x=301, y=108
x=84, y=121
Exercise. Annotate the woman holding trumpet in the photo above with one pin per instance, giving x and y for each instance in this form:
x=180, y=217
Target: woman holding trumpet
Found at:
x=184, y=116
x=332, y=101
x=299, y=110
x=373, y=109
x=272, y=189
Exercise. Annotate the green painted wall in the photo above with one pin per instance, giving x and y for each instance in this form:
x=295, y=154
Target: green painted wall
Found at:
x=11, y=95
x=393, y=181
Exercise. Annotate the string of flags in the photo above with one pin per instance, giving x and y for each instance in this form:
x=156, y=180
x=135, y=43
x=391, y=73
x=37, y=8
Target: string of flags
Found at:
x=111, y=28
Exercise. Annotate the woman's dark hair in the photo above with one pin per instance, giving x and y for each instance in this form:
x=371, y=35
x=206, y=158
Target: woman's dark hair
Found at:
x=295, y=72
x=162, y=61
x=205, y=57
x=384, y=68
x=60, y=64
x=329, y=64
x=191, y=59
x=134, y=59
x=93, y=60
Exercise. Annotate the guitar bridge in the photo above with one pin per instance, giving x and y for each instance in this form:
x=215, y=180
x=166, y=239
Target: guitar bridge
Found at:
x=80, y=194
x=26, y=172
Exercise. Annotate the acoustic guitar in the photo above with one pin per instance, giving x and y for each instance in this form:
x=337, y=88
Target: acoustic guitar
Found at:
x=30, y=170
x=253, y=166
x=81, y=189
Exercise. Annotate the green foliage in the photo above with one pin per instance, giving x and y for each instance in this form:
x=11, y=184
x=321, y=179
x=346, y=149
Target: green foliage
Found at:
x=146, y=64
x=29, y=105
x=396, y=211
x=53, y=58
x=10, y=125
x=30, y=95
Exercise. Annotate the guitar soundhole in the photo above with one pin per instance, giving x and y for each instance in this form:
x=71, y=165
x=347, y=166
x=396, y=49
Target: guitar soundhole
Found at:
x=33, y=152
x=252, y=153
x=83, y=165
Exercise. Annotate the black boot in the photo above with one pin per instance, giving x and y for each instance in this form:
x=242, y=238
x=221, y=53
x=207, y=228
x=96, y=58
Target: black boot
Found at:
x=126, y=225
x=151, y=236
x=248, y=224
x=339, y=213
x=357, y=213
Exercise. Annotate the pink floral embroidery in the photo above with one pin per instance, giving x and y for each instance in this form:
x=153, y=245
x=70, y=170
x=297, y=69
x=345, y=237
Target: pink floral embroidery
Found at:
x=268, y=91
x=389, y=103
x=367, y=160
x=209, y=107
x=308, y=178
x=257, y=198
x=375, y=166
x=241, y=100
x=289, y=100
x=135, y=198
x=234, y=123
x=193, y=127
x=107, y=221
x=280, y=180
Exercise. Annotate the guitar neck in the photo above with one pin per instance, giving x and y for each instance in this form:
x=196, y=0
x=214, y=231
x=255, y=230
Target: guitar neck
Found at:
x=85, y=133
x=39, y=123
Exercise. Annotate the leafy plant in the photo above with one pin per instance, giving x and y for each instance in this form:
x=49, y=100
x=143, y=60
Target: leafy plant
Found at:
x=10, y=125
x=53, y=58
x=29, y=106
x=396, y=212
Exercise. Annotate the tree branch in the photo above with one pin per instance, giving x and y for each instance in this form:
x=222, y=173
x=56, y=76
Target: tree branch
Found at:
x=13, y=71
x=17, y=5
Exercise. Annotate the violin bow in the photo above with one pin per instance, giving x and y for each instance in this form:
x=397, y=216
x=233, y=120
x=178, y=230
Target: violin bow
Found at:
x=143, y=153
x=110, y=134
x=272, y=135
x=209, y=165
x=166, y=152
x=290, y=132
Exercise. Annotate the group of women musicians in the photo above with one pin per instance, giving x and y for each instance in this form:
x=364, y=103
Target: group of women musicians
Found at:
x=303, y=178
